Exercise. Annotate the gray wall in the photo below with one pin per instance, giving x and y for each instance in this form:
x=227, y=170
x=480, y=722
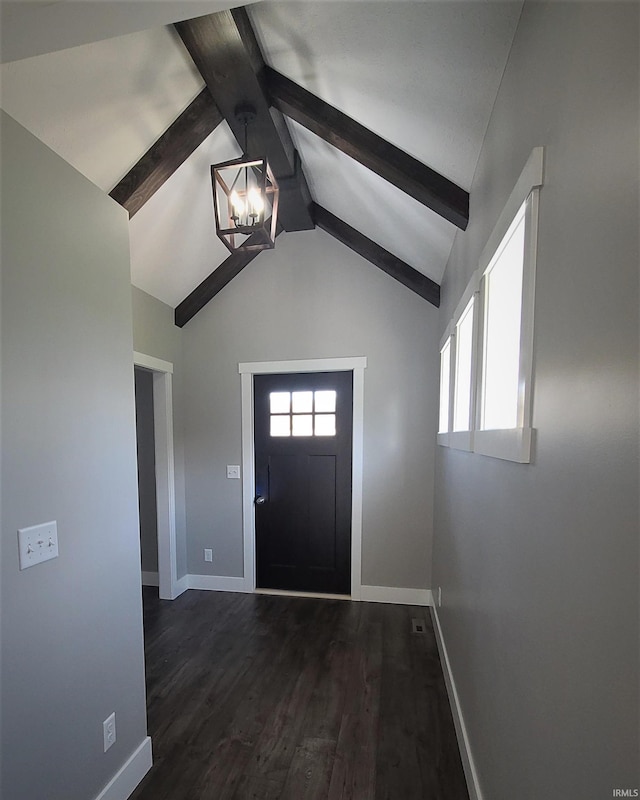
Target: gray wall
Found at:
x=145, y=440
x=539, y=563
x=312, y=298
x=71, y=628
x=155, y=334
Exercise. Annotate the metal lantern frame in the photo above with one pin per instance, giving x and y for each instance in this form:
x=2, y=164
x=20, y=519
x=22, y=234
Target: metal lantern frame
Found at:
x=260, y=234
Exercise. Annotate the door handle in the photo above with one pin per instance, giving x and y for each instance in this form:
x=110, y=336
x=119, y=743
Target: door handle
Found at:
x=259, y=501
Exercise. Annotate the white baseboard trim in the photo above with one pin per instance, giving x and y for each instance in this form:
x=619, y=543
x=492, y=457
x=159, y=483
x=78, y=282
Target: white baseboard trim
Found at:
x=371, y=594
x=181, y=585
x=394, y=594
x=216, y=583
x=468, y=764
x=312, y=595
x=150, y=579
x=123, y=783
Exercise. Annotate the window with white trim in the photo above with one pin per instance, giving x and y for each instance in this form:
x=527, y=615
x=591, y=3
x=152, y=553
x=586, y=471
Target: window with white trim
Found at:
x=463, y=372
x=445, y=386
x=505, y=374
x=490, y=339
x=502, y=296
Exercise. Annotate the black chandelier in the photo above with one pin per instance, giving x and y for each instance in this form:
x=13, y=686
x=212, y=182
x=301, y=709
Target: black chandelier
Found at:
x=245, y=198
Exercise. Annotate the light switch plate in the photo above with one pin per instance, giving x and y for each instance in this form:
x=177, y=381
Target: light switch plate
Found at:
x=37, y=543
x=233, y=471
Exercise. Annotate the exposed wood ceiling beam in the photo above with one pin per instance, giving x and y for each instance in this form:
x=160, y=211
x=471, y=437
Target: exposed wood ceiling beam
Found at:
x=164, y=157
x=213, y=284
x=377, y=255
x=385, y=159
x=381, y=258
x=224, y=48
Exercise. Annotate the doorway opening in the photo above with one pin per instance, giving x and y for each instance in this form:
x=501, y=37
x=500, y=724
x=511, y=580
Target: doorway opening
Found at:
x=165, y=517
x=355, y=366
x=147, y=498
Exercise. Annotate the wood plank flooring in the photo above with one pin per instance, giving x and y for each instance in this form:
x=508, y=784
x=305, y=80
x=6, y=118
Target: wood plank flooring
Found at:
x=252, y=697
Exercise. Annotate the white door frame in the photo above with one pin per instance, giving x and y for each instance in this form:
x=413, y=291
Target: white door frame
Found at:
x=357, y=365
x=165, y=472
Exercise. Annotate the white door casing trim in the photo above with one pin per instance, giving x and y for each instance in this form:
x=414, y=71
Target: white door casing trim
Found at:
x=152, y=363
x=357, y=365
x=165, y=472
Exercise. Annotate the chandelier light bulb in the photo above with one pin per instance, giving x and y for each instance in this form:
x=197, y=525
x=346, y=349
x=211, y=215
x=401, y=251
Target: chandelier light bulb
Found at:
x=256, y=203
x=237, y=204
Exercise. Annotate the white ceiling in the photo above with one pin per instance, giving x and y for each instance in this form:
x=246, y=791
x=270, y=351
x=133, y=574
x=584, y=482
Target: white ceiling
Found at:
x=101, y=106
x=424, y=75
x=33, y=27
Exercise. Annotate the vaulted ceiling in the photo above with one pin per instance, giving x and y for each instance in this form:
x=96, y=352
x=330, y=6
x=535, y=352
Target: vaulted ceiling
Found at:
x=386, y=104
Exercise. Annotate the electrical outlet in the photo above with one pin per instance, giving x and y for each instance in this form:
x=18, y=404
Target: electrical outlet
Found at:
x=109, y=731
x=439, y=596
x=418, y=625
x=208, y=554
x=233, y=471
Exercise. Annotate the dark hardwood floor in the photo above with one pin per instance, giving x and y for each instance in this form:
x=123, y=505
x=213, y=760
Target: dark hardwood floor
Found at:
x=253, y=696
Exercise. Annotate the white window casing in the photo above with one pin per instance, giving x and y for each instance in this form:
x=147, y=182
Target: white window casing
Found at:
x=464, y=370
x=446, y=389
x=509, y=436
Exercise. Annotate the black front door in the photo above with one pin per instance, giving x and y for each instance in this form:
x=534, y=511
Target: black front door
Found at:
x=303, y=435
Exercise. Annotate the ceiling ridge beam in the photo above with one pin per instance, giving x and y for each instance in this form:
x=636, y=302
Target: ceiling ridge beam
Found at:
x=173, y=148
x=385, y=159
x=225, y=50
x=408, y=276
